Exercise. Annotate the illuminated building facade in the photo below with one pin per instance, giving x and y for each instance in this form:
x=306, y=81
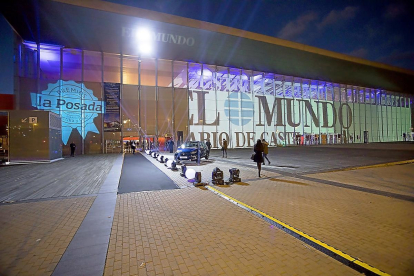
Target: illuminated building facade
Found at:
x=150, y=76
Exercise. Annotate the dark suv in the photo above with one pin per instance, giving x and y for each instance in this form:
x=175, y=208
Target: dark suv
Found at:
x=189, y=151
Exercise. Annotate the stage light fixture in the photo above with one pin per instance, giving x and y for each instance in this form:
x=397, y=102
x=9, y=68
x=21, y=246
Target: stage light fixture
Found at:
x=190, y=173
x=234, y=175
x=183, y=170
x=217, y=177
x=165, y=161
x=174, y=166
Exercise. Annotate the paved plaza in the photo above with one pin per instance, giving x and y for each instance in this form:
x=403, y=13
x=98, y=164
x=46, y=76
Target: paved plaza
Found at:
x=67, y=217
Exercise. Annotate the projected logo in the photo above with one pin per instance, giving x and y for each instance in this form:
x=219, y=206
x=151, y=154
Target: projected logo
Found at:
x=238, y=107
x=76, y=105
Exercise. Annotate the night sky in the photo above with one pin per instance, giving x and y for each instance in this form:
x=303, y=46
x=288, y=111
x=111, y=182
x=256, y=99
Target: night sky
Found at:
x=381, y=31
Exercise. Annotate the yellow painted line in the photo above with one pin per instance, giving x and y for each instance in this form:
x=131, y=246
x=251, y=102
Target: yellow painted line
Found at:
x=373, y=166
x=300, y=233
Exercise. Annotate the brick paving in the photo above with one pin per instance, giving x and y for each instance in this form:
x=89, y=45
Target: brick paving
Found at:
x=194, y=232
x=373, y=228
x=34, y=236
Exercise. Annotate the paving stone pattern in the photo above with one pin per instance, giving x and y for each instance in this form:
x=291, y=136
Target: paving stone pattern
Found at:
x=80, y=175
x=34, y=236
x=376, y=229
x=195, y=232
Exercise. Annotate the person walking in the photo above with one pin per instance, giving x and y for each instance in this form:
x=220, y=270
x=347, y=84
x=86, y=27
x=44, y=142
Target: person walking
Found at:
x=258, y=156
x=208, y=144
x=133, y=146
x=72, y=149
x=224, y=147
x=265, y=151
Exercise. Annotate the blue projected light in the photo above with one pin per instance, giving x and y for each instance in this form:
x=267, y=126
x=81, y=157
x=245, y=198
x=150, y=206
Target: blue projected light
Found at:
x=75, y=103
x=239, y=115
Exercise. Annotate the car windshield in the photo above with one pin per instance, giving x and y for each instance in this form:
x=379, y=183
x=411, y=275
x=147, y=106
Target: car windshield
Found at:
x=190, y=144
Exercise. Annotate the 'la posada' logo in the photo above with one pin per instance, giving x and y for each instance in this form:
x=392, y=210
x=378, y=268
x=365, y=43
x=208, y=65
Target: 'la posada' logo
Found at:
x=75, y=103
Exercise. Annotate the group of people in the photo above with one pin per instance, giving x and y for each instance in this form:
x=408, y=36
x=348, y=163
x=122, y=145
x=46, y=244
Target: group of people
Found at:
x=261, y=150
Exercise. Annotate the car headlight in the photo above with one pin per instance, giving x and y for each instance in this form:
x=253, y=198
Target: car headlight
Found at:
x=194, y=152
x=178, y=151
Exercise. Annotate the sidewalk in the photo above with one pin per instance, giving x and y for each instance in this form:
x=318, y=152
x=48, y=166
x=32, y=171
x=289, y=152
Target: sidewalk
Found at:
x=192, y=231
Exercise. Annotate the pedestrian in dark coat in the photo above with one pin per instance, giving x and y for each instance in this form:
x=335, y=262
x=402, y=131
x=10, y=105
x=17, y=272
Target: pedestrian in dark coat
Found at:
x=72, y=149
x=133, y=146
x=171, y=146
x=258, y=156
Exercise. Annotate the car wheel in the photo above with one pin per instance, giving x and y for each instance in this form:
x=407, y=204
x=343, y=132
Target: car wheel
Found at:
x=206, y=157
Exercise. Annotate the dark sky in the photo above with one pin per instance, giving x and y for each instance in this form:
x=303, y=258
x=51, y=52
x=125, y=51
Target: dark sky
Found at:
x=381, y=31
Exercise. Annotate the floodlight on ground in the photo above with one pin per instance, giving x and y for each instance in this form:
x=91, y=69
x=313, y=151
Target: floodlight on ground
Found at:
x=183, y=169
x=217, y=177
x=160, y=158
x=174, y=166
x=148, y=152
x=165, y=161
x=190, y=173
x=234, y=175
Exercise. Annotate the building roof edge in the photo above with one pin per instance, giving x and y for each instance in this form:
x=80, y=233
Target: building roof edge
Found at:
x=197, y=24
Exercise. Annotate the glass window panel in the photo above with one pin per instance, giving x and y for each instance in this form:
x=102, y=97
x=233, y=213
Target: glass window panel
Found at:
x=92, y=67
x=361, y=95
x=235, y=80
x=93, y=140
x=112, y=66
x=147, y=110
x=195, y=80
x=258, y=83
x=209, y=72
x=279, y=85
x=321, y=90
x=50, y=63
x=329, y=91
x=349, y=94
x=180, y=74
x=129, y=105
x=246, y=77
x=314, y=89
x=181, y=112
x=72, y=65
x=288, y=87
x=165, y=104
x=305, y=94
x=343, y=93
x=148, y=71
x=336, y=92
x=130, y=70
x=164, y=73
x=222, y=78
x=29, y=60
x=269, y=84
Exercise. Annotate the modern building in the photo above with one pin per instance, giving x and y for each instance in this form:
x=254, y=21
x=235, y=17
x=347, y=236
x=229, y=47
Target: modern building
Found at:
x=116, y=73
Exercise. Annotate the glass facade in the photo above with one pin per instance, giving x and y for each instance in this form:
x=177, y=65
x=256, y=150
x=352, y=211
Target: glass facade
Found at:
x=105, y=99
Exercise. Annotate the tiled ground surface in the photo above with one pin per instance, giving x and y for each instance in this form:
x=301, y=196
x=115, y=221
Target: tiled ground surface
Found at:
x=395, y=179
x=80, y=175
x=34, y=236
x=376, y=229
x=194, y=232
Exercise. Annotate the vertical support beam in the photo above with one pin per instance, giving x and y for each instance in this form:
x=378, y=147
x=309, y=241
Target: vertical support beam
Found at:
x=121, y=63
x=83, y=118
x=156, y=103
x=173, y=106
x=103, y=98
